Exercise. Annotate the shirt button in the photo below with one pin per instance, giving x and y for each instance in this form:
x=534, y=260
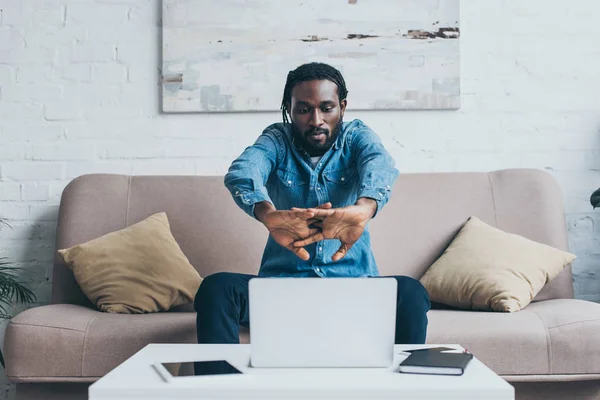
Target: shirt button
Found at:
x=238, y=192
x=388, y=186
x=380, y=195
x=320, y=249
x=343, y=179
x=289, y=182
x=318, y=269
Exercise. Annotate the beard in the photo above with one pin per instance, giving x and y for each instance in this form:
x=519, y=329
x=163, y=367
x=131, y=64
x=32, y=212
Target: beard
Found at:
x=314, y=148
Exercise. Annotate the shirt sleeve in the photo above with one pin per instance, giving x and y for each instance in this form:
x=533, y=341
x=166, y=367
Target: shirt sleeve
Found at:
x=376, y=167
x=248, y=174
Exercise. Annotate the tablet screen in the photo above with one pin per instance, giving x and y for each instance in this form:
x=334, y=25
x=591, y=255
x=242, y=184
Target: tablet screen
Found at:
x=219, y=367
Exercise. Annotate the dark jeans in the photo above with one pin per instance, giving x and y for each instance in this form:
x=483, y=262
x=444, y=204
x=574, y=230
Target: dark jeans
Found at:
x=222, y=306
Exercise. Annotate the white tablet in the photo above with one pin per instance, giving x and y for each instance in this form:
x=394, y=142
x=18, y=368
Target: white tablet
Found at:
x=176, y=371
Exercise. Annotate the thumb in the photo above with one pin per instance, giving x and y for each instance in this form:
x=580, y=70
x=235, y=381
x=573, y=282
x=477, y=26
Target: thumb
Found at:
x=299, y=251
x=341, y=252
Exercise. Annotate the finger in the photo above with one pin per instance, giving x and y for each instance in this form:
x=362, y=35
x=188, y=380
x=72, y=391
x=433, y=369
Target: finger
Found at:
x=341, y=252
x=300, y=252
x=320, y=213
x=324, y=206
x=309, y=240
x=300, y=212
x=338, y=255
x=303, y=214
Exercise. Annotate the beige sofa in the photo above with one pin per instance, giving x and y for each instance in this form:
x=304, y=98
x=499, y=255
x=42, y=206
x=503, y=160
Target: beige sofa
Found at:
x=549, y=350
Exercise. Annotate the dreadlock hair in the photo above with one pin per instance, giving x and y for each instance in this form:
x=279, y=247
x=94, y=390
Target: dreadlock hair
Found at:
x=310, y=72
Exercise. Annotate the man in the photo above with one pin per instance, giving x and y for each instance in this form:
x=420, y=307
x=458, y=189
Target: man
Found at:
x=314, y=183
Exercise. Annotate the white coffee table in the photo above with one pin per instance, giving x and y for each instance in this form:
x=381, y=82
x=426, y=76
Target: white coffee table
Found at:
x=136, y=379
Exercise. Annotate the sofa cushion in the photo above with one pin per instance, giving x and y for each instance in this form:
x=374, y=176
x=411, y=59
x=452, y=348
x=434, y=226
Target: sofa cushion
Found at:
x=547, y=337
x=64, y=342
x=68, y=343
x=137, y=269
x=485, y=268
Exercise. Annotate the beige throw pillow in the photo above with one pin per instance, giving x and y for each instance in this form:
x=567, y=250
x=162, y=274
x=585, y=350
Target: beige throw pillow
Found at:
x=137, y=269
x=485, y=268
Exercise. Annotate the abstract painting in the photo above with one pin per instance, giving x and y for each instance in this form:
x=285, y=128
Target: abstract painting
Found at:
x=234, y=55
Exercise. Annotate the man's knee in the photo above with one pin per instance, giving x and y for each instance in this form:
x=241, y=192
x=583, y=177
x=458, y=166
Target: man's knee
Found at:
x=412, y=292
x=213, y=288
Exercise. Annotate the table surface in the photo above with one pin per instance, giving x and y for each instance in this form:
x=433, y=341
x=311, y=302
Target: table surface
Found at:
x=137, y=379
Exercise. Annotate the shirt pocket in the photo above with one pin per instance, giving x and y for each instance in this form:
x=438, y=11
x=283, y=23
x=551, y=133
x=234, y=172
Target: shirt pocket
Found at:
x=292, y=190
x=345, y=176
x=341, y=186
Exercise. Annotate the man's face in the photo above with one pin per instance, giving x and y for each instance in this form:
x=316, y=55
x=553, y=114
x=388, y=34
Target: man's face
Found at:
x=316, y=113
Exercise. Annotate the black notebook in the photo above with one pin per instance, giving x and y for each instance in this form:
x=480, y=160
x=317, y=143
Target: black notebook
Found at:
x=435, y=363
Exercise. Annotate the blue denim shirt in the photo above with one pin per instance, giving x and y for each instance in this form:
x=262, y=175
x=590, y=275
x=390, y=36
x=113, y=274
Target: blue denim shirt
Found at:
x=274, y=169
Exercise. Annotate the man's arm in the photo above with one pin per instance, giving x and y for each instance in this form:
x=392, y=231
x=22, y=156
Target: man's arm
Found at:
x=369, y=205
x=249, y=173
x=376, y=168
x=262, y=209
x=246, y=181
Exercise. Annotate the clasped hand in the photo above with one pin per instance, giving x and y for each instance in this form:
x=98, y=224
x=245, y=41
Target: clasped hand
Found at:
x=299, y=227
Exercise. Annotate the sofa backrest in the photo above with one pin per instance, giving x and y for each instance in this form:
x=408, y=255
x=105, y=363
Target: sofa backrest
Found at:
x=424, y=213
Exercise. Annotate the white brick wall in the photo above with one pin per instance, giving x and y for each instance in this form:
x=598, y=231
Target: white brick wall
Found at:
x=79, y=93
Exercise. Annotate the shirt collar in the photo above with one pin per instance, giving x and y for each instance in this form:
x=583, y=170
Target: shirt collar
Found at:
x=341, y=137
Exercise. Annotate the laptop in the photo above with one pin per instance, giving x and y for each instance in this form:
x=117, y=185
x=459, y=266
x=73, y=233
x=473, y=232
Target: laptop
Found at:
x=322, y=322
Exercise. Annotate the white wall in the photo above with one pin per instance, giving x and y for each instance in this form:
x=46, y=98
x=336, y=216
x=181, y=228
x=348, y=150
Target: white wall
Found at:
x=79, y=93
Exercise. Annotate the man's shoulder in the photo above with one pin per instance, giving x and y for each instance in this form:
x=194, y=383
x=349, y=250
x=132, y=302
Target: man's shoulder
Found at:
x=277, y=128
x=278, y=132
x=355, y=128
x=355, y=125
